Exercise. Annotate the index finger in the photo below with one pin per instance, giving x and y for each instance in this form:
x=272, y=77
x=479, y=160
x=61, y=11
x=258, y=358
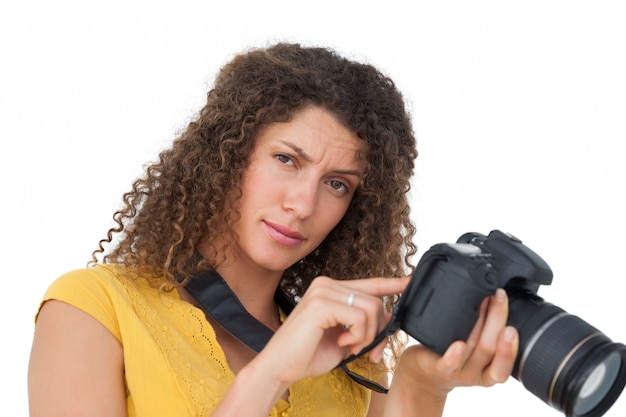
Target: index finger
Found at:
x=378, y=287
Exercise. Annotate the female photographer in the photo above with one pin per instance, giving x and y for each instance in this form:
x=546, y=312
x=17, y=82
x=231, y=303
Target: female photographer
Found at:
x=294, y=178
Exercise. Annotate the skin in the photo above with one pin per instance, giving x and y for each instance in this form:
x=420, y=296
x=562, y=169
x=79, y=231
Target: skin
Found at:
x=73, y=353
x=299, y=184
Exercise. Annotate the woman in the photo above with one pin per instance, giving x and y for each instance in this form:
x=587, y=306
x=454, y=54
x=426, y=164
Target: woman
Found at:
x=297, y=169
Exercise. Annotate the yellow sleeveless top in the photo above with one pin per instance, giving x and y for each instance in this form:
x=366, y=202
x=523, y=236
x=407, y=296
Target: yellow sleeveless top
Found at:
x=173, y=363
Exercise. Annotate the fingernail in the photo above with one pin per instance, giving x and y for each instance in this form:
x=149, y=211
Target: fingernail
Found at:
x=509, y=334
x=500, y=295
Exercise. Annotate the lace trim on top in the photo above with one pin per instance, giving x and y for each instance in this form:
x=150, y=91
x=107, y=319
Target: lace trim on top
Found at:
x=199, y=364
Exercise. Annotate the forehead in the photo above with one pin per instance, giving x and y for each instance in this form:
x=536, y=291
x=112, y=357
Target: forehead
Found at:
x=315, y=132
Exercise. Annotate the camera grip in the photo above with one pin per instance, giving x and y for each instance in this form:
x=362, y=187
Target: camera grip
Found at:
x=444, y=303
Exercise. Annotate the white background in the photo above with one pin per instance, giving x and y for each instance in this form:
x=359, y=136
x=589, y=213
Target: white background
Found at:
x=519, y=109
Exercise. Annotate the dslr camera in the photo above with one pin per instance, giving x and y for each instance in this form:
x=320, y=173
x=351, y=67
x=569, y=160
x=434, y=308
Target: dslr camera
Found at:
x=563, y=360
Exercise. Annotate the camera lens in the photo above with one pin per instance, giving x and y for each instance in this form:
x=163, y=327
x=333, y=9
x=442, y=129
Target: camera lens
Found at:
x=563, y=360
x=598, y=384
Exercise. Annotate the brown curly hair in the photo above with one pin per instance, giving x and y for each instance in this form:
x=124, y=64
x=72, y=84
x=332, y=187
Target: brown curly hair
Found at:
x=191, y=192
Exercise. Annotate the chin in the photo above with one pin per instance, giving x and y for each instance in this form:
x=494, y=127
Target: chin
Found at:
x=276, y=264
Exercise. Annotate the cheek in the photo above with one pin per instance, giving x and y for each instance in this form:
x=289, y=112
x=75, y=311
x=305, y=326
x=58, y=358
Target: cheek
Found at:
x=332, y=215
x=257, y=186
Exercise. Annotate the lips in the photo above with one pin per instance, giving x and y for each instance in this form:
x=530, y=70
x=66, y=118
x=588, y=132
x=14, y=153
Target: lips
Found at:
x=283, y=235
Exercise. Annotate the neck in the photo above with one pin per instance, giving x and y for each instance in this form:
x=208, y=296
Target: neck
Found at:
x=253, y=285
x=255, y=291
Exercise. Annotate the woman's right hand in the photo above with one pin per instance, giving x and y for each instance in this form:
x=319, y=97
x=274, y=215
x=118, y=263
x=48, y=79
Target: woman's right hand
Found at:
x=313, y=340
x=323, y=329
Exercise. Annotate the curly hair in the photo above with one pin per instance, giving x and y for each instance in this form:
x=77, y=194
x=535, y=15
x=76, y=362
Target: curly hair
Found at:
x=191, y=192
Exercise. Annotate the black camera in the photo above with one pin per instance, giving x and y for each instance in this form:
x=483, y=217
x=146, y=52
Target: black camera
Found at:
x=563, y=360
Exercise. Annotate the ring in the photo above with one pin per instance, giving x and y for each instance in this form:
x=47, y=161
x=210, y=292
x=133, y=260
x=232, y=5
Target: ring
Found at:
x=350, y=299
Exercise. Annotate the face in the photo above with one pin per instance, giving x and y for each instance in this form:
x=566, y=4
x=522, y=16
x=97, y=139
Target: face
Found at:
x=299, y=183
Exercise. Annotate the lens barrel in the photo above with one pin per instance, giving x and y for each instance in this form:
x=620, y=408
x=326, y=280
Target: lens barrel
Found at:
x=563, y=360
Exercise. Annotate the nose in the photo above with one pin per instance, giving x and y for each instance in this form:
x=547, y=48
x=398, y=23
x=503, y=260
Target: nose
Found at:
x=301, y=197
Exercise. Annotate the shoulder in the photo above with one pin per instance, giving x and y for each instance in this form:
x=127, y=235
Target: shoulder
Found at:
x=96, y=282
x=102, y=291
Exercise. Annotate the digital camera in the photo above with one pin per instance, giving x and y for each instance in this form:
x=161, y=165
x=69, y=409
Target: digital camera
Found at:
x=563, y=360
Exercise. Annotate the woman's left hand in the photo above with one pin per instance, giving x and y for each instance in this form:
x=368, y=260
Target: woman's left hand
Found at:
x=424, y=379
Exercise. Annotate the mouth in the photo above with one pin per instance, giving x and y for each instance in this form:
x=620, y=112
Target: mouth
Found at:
x=283, y=235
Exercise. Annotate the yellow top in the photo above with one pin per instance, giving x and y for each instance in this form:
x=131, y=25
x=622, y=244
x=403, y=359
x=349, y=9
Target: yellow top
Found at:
x=173, y=363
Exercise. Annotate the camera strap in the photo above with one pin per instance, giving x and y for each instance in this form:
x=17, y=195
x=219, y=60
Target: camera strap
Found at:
x=219, y=301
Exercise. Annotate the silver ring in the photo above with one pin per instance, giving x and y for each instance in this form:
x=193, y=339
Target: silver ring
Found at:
x=350, y=299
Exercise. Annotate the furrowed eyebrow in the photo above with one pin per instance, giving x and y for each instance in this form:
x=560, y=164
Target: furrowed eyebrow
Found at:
x=302, y=154
x=348, y=172
x=298, y=150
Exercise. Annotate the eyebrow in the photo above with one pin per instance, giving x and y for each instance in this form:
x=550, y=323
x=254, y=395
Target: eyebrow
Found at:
x=302, y=154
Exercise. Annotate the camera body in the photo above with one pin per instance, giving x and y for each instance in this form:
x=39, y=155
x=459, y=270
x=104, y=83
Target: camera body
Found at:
x=563, y=360
x=464, y=274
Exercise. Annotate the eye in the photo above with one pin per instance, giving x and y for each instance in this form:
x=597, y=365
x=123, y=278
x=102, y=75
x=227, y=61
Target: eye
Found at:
x=284, y=159
x=338, y=186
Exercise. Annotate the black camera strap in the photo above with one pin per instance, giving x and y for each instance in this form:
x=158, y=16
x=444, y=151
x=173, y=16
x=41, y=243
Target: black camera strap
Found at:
x=219, y=301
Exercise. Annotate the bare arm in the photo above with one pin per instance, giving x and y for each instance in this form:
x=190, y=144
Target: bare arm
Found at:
x=76, y=366
x=405, y=399
x=76, y=369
